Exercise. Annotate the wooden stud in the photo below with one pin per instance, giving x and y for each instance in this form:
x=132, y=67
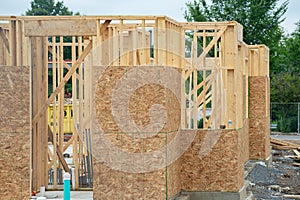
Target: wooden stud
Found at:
x=63, y=82
x=54, y=83
x=121, y=45
x=19, y=43
x=74, y=109
x=4, y=39
x=13, y=43
x=61, y=102
x=44, y=96
x=222, y=74
x=161, y=42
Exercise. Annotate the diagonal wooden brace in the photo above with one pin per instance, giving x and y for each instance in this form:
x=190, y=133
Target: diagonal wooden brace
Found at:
x=86, y=51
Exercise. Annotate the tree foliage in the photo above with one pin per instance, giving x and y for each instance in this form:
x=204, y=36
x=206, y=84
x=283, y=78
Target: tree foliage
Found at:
x=261, y=19
x=285, y=84
x=48, y=7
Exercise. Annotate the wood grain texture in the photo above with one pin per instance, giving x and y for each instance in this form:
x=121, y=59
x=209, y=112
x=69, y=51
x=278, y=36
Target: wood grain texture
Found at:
x=220, y=170
x=15, y=132
x=15, y=99
x=259, y=122
x=110, y=183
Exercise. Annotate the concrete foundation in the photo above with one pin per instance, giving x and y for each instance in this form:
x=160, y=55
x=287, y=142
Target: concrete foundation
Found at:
x=241, y=195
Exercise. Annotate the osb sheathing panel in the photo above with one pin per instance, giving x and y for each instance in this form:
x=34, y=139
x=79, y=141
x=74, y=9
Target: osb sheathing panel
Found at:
x=243, y=142
x=243, y=150
x=220, y=169
x=15, y=165
x=173, y=178
x=141, y=100
x=112, y=183
x=259, y=122
x=15, y=99
x=14, y=132
x=244, y=139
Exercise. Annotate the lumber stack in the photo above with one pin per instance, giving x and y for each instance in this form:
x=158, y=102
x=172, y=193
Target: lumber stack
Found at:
x=283, y=145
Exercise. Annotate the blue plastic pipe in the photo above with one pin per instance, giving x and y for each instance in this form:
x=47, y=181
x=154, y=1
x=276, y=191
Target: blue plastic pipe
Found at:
x=67, y=179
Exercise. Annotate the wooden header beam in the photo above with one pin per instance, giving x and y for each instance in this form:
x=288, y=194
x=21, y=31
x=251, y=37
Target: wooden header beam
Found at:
x=59, y=27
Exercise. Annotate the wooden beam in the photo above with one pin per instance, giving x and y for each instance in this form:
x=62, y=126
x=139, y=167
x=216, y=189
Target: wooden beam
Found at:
x=13, y=43
x=74, y=108
x=44, y=96
x=104, y=26
x=208, y=48
x=61, y=101
x=161, y=42
x=60, y=27
x=64, y=62
x=54, y=83
x=284, y=143
x=59, y=153
x=4, y=38
x=297, y=152
x=87, y=50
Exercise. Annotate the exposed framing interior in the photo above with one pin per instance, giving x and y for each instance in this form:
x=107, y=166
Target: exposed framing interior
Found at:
x=213, y=59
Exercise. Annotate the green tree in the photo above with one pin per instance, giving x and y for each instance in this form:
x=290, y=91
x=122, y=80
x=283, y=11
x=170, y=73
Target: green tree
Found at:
x=261, y=18
x=50, y=8
x=285, y=84
x=47, y=7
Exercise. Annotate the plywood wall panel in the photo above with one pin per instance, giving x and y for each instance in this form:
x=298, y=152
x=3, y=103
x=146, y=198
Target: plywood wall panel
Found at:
x=15, y=99
x=118, y=181
x=15, y=132
x=259, y=122
x=218, y=170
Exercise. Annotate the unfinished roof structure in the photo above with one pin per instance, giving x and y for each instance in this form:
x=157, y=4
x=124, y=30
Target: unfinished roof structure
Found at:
x=159, y=107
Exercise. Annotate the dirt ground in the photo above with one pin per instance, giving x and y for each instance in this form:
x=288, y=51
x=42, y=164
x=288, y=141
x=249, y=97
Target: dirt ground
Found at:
x=279, y=179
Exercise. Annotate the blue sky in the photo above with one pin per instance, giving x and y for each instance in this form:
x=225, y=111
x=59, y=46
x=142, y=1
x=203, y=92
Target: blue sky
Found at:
x=171, y=8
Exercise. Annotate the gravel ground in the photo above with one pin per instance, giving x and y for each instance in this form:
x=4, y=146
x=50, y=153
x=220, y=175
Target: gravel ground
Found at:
x=276, y=180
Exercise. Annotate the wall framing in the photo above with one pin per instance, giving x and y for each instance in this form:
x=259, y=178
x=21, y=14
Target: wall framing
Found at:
x=217, y=72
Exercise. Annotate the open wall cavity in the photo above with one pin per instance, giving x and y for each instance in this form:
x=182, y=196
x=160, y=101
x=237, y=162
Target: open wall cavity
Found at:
x=145, y=84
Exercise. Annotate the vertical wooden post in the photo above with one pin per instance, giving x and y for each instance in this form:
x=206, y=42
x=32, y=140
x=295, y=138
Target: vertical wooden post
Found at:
x=230, y=63
x=238, y=78
x=13, y=42
x=54, y=82
x=80, y=85
x=19, y=43
x=194, y=81
x=183, y=98
x=161, y=41
x=44, y=97
x=135, y=47
x=115, y=47
x=35, y=173
x=74, y=108
x=122, y=60
x=204, y=81
x=215, y=99
x=39, y=130
x=2, y=49
x=61, y=98
x=143, y=51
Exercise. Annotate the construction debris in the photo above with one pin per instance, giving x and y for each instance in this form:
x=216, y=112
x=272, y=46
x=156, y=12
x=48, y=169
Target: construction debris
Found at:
x=283, y=145
x=281, y=179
